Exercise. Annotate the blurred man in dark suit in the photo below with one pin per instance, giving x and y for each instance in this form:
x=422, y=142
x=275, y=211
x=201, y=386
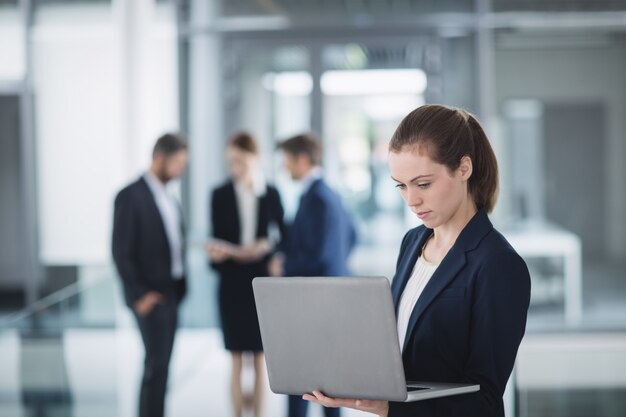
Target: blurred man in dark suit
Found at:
x=148, y=250
x=320, y=239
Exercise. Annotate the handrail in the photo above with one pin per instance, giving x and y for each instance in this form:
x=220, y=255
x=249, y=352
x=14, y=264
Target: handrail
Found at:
x=48, y=301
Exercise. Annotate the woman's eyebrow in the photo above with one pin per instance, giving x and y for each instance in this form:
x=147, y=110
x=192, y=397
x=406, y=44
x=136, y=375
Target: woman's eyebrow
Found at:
x=414, y=179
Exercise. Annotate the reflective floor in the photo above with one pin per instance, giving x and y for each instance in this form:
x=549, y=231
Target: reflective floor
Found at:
x=80, y=355
x=95, y=373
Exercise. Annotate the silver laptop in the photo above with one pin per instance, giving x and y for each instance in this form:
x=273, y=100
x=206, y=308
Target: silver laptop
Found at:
x=338, y=336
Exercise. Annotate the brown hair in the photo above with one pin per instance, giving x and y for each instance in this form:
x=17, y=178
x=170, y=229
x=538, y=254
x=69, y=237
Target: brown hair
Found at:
x=304, y=144
x=169, y=144
x=243, y=141
x=449, y=134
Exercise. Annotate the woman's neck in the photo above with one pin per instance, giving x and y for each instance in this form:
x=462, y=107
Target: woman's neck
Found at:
x=246, y=183
x=446, y=234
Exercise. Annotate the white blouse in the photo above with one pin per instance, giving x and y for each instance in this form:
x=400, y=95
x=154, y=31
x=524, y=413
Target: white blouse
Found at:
x=247, y=203
x=422, y=272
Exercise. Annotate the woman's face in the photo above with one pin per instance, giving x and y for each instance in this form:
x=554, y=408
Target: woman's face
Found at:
x=430, y=190
x=240, y=163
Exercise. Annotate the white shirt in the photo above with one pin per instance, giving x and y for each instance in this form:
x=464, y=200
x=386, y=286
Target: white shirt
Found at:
x=422, y=272
x=248, y=208
x=170, y=214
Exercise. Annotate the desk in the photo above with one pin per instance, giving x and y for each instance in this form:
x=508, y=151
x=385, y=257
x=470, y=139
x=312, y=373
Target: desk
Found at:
x=549, y=241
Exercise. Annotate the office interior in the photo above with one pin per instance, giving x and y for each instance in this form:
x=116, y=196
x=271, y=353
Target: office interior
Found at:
x=86, y=86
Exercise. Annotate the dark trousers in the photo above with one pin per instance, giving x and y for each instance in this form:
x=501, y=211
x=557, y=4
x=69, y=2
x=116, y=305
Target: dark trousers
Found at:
x=298, y=408
x=157, y=331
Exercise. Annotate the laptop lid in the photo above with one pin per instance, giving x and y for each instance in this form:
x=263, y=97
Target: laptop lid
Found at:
x=336, y=335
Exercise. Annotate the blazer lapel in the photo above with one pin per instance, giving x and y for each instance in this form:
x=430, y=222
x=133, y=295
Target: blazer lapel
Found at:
x=263, y=216
x=302, y=204
x=469, y=238
x=234, y=215
x=156, y=213
x=450, y=266
x=406, y=268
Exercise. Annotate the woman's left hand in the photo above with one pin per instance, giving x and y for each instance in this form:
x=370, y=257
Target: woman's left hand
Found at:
x=378, y=407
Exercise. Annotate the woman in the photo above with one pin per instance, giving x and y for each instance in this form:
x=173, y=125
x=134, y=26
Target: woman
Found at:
x=244, y=210
x=461, y=291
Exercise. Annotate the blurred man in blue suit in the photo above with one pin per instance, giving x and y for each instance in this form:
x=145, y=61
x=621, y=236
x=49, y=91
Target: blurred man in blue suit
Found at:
x=320, y=239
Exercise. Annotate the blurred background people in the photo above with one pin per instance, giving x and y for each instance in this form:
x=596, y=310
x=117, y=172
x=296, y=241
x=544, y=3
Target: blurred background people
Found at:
x=148, y=249
x=320, y=239
x=244, y=213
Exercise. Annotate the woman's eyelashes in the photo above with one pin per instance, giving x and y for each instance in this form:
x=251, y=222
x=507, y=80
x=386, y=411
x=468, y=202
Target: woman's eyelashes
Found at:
x=423, y=186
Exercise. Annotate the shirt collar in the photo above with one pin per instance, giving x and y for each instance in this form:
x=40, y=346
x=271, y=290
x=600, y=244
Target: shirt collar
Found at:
x=259, y=185
x=153, y=182
x=312, y=176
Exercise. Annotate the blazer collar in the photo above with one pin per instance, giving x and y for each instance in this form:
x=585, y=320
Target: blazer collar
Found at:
x=155, y=208
x=406, y=267
x=469, y=238
x=311, y=187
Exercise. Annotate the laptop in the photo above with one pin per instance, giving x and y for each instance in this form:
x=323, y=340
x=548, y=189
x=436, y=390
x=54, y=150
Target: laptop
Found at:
x=337, y=335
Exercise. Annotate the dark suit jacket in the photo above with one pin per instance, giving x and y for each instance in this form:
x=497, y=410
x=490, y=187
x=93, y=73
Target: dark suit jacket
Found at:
x=321, y=237
x=141, y=250
x=225, y=219
x=468, y=323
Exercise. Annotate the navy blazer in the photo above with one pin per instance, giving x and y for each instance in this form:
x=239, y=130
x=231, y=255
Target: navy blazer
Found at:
x=320, y=239
x=141, y=250
x=226, y=223
x=468, y=322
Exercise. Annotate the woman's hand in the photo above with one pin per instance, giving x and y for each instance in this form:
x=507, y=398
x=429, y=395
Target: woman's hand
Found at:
x=378, y=407
x=218, y=252
x=276, y=266
x=254, y=252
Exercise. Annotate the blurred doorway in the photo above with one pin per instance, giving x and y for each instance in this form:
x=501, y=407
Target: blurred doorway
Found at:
x=366, y=91
x=12, y=277
x=575, y=146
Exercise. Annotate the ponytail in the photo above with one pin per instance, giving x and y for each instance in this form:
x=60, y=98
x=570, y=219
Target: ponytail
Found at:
x=483, y=184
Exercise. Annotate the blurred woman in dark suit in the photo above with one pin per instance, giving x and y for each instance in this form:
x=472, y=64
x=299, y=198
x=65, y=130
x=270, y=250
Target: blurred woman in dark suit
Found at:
x=244, y=212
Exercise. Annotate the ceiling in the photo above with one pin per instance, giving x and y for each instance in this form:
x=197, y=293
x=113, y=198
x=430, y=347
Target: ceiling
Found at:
x=387, y=8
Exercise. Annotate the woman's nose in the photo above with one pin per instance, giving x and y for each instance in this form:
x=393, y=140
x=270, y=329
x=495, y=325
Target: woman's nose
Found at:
x=414, y=198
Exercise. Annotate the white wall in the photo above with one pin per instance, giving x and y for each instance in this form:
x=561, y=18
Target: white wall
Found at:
x=12, y=51
x=84, y=151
